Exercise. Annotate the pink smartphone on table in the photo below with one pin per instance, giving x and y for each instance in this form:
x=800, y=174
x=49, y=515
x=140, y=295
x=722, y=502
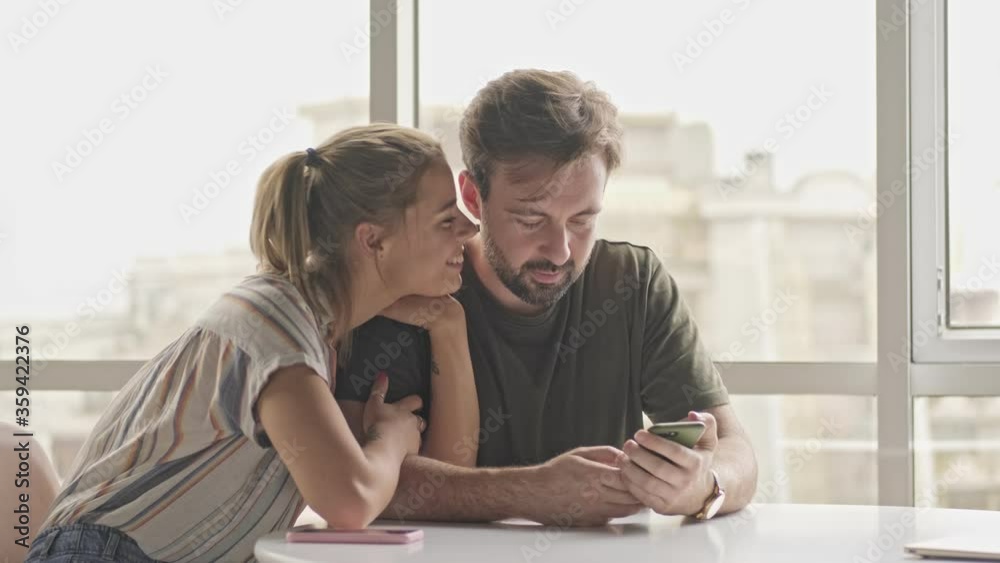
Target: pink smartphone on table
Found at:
x=312, y=534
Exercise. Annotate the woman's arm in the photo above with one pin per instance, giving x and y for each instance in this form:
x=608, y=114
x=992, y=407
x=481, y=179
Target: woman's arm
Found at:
x=453, y=422
x=346, y=484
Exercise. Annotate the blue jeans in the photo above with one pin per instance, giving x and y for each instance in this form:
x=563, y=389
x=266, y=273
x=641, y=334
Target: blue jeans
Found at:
x=83, y=543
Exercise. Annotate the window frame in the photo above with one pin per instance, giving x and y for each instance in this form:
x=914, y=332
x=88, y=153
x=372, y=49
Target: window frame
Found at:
x=934, y=341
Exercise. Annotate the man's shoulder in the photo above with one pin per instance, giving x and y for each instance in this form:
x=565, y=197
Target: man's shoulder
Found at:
x=617, y=263
x=606, y=250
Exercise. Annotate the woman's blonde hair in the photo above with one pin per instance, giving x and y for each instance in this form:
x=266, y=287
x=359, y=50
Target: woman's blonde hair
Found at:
x=310, y=202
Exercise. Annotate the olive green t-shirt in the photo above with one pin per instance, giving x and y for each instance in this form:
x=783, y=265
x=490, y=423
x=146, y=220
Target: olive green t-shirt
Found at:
x=619, y=343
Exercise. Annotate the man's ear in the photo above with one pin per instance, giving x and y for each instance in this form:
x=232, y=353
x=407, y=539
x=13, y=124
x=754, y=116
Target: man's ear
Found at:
x=370, y=239
x=470, y=194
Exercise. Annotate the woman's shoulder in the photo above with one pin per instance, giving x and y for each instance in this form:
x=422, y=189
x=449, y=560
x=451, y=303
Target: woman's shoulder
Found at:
x=265, y=292
x=264, y=310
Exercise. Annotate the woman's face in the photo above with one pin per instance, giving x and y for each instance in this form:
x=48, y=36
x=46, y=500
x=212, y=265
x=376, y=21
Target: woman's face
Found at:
x=424, y=255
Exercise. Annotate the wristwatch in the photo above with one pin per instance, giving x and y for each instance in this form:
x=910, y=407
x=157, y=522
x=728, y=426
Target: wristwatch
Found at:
x=714, y=501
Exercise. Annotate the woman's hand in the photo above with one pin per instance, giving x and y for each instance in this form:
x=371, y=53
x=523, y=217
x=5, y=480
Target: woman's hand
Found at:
x=426, y=312
x=393, y=421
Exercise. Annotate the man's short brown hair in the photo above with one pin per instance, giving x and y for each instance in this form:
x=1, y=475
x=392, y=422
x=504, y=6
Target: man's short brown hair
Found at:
x=532, y=112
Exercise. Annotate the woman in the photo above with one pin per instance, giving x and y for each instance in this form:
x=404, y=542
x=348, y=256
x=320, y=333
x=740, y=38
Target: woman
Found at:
x=224, y=435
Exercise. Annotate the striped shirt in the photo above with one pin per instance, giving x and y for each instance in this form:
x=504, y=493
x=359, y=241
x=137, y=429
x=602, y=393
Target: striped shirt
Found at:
x=180, y=461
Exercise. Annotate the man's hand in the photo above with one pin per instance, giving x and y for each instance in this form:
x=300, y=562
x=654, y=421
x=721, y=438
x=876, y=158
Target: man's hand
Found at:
x=581, y=487
x=678, y=484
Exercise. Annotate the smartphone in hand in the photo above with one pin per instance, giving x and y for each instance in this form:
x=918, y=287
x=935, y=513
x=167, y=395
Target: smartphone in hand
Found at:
x=685, y=433
x=312, y=534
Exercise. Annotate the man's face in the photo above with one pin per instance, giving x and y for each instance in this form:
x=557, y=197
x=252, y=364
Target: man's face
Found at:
x=539, y=224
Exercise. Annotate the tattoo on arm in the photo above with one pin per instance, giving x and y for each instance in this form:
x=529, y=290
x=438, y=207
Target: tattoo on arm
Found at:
x=372, y=434
x=434, y=368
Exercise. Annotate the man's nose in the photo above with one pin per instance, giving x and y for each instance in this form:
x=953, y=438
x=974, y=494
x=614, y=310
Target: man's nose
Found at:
x=555, y=248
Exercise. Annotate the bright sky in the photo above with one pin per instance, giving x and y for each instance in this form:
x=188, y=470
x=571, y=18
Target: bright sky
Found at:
x=212, y=80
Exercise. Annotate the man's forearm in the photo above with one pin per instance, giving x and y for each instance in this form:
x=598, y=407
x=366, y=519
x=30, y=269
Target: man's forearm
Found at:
x=431, y=490
x=737, y=468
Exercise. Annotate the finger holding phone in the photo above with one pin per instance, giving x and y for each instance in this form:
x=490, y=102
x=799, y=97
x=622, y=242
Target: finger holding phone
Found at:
x=672, y=478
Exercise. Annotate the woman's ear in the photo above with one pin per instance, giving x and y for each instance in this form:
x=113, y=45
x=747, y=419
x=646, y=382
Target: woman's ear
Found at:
x=370, y=238
x=470, y=194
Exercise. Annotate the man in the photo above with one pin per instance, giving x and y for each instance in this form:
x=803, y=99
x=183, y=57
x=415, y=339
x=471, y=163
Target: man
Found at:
x=572, y=338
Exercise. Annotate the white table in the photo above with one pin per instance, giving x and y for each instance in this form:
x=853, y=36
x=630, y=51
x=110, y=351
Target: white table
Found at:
x=764, y=533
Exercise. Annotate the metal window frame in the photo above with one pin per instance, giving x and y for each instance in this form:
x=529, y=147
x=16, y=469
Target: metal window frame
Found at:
x=901, y=373
x=933, y=340
x=893, y=392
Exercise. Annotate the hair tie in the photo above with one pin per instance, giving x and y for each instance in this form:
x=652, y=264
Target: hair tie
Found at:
x=312, y=159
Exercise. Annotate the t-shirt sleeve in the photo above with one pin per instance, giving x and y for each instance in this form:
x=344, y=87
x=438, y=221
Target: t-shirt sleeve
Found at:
x=677, y=370
x=259, y=335
x=400, y=350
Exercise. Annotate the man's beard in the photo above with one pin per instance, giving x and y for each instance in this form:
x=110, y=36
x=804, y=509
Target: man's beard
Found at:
x=520, y=282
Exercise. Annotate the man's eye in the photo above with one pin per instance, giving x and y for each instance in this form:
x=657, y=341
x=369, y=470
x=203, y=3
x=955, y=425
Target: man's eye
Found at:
x=529, y=224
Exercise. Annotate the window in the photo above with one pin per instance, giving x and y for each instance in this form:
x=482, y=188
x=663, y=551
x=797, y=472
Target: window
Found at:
x=955, y=187
x=132, y=211
x=973, y=179
x=952, y=348
x=957, y=452
x=811, y=448
x=748, y=166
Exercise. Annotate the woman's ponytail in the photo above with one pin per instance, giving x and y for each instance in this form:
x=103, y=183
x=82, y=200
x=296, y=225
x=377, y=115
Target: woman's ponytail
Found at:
x=309, y=204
